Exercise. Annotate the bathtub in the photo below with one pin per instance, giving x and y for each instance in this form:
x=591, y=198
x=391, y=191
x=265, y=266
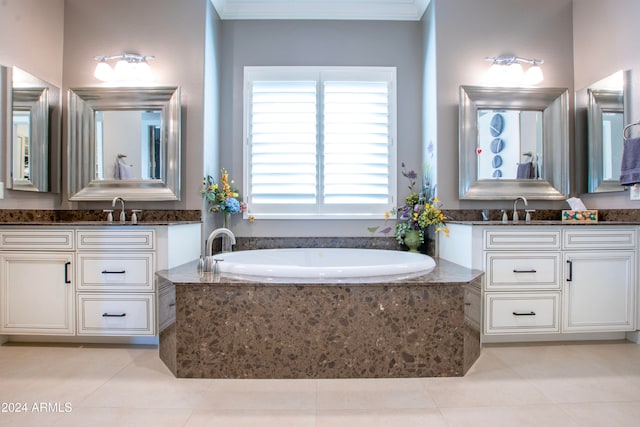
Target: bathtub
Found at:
x=323, y=265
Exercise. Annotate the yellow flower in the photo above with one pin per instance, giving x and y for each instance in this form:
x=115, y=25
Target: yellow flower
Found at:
x=252, y=219
x=387, y=215
x=436, y=200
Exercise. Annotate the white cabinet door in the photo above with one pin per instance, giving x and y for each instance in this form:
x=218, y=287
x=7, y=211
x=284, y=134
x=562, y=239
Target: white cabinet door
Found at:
x=599, y=291
x=36, y=293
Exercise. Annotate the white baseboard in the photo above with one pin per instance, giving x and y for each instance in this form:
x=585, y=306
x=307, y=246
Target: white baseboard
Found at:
x=634, y=337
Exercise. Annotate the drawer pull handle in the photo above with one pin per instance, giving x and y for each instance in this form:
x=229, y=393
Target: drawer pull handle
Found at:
x=525, y=271
x=114, y=272
x=114, y=315
x=531, y=313
x=570, y=278
x=66, y=272
x=173, y=304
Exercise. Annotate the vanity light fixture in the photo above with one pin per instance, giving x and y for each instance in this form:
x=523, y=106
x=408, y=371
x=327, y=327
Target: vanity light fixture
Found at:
x=507, y=70
x=130, y=67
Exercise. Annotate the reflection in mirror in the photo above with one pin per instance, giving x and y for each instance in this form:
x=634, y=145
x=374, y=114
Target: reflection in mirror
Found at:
x=509, y=144
x=128, y=144
x=513, y=142
x=124, y=142
x=21, y=138
x=606, y=119
x=35, y=134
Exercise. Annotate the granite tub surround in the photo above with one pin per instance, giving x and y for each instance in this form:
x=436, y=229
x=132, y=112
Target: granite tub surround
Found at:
x=379, y=242
x=422, y=327
x=51, y=217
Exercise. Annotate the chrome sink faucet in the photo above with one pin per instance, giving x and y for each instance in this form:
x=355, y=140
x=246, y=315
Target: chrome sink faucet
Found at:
x=123, y=217
x=515, y=207
x=228, y=240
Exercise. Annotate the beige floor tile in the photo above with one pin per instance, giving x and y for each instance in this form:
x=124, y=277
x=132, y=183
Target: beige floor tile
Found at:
x=618, y=414
x=260, y=394
x=147, y=383
x=578, y=372
x=508, y=416
x=490, y=382
x=51, y=374
x=124, y=417
x=247, y=418
x=381, y=418
x=372, y=394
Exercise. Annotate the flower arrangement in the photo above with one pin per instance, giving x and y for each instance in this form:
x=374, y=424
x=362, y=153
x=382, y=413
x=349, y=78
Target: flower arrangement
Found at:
x=222, y=197
x=420, y=210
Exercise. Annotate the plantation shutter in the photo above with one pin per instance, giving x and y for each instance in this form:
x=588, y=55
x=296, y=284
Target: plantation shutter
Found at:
x=319, y=142
x=283, y=139
x=356, y=142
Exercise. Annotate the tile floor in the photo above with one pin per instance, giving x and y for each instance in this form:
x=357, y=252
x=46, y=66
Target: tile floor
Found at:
x=515, y=385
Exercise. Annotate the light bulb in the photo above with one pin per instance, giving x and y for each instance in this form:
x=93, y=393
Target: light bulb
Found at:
x=514, y=73
x=533, y=75
x=494, y=75
x=103, y=72
x=142, y=71
x=123, y=70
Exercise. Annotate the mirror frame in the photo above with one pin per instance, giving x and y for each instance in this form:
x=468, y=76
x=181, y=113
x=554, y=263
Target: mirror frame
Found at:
x=83, y=103
x=42, y=99
x=554, y=105
x=34, y=100
x=601, y=101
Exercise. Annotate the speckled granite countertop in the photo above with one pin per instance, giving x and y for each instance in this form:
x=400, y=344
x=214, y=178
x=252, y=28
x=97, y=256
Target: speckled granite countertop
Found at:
x=543, y=222
x=94, y=223
x=94, y=217
x=444, y=272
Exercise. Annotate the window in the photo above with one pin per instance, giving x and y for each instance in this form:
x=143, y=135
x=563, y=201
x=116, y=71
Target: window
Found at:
x=320, y=141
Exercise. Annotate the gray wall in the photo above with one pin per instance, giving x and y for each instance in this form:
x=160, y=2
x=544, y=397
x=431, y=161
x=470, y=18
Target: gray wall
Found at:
x=172, y=31
x=348, y=43
x=467, y=31
x=31, y=37
x=605, y=41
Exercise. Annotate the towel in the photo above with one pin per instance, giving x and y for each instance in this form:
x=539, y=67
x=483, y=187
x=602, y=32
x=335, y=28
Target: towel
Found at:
x=123, y=170
x=630, y=165
x=526, y=171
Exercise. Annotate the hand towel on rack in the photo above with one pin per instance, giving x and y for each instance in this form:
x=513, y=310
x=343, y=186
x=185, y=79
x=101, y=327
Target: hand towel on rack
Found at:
x=630, y=165
x=526, y=171
x=123, y=170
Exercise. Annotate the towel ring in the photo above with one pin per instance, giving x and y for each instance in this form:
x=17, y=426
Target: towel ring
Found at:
x=629, y=126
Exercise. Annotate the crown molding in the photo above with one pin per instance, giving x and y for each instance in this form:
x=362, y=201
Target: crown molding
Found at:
x=380, y=10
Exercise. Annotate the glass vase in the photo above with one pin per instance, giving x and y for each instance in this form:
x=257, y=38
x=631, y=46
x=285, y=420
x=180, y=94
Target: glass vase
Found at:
x=225, y=219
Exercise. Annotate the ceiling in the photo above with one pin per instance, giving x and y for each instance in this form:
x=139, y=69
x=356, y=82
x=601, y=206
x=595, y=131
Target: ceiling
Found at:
x=387, y=10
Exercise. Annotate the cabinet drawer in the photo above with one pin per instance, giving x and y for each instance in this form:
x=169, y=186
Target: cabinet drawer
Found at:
x=606, y=238
x=166, y=307
x=115, y=271
x=522, y=239
x=522, y=270
x=520, y=313
x=36, y=239
x=115, y=239
x=116, y=314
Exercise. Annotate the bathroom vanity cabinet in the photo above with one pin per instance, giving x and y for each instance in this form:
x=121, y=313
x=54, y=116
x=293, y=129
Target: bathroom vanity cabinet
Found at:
x=36, y=282
x=550, y=282
x=87, y=281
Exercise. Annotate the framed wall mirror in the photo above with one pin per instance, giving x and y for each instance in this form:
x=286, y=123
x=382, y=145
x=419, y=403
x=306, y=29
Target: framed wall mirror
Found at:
x=513, y=142
x=33, y=134
x=607, y=115
x=124, y=142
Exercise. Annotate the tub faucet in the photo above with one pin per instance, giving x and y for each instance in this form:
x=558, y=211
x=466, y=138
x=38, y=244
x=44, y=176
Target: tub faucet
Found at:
x=123, y=218
x=515, y=207
x=228, y=240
